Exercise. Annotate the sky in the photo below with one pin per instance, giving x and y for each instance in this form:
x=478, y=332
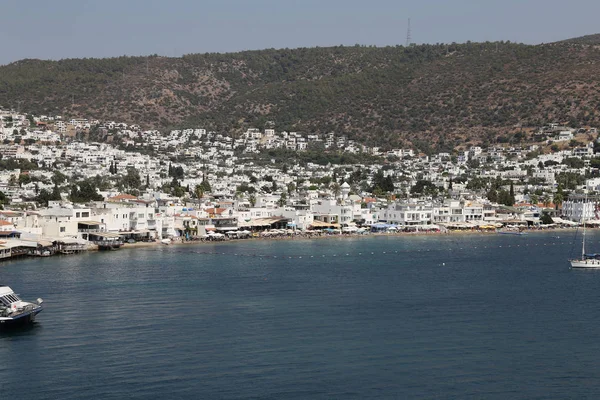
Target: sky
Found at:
x=108, y=28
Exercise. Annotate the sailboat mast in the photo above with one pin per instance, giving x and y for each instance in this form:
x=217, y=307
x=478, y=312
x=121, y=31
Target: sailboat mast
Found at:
x=583, y=218
x=583, y=243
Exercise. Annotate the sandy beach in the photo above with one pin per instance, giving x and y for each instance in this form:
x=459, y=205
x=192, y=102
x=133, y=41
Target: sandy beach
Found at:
x=335, y=237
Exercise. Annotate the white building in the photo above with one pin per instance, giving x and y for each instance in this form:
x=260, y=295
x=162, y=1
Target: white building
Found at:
x=579, y=208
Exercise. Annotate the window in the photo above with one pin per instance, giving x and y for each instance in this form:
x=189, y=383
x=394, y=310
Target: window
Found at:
x=62, y=228
x=85, y=214
x=77, y=215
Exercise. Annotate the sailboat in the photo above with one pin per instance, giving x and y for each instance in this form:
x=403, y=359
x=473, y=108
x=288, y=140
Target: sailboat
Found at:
x=586, y=260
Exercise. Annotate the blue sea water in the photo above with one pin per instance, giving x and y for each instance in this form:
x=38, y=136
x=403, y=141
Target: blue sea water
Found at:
x=428, y=317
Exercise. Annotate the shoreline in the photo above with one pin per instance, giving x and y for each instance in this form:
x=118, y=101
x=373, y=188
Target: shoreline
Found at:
x=321, y=236
x=337, y=236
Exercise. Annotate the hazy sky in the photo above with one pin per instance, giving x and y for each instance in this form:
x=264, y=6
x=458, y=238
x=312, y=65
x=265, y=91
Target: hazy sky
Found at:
x=103, y=28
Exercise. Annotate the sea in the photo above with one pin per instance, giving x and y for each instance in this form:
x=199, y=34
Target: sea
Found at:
x=388, y=317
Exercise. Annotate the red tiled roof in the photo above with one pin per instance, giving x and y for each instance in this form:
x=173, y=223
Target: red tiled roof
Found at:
x=123, y=196
x=215, y=210
x=9, y=213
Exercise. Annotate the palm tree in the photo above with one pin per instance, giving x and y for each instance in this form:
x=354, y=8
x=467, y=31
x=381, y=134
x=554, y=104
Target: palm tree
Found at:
x=335, y=189
x=546, y=200
x=534, y=198
x=199, y=191
x=558, y=199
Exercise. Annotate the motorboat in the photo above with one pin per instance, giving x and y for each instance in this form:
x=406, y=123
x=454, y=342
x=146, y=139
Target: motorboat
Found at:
x=14, y=311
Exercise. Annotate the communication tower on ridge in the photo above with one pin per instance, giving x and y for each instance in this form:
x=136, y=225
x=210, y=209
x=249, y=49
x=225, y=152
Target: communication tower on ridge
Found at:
x=408, y=36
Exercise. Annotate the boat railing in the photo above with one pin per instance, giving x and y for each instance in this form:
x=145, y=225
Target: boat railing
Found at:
x=25, y=309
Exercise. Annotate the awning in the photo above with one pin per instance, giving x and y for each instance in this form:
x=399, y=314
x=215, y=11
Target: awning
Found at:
x=262, y=222
x=90, y=223
x=11, y=244
x=105, y=234
x=69, y=240
x=560, y=221
x=321, y=224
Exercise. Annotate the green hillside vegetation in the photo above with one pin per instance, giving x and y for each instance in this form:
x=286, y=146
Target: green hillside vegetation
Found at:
x=586, y=40
x=430, y=96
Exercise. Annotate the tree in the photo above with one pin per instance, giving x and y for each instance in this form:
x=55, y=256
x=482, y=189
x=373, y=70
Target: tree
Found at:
x=58, y=178
x=206, y=185
x=574, y=143
x=569, y=180
x=266, y=189
x=546, y=200
x=282, y=200
x=386, y=184
x=132, y=179
x=512, y=193
x=505, y=198
x=546, y=219
x=43, y=197
x=178, y=172
x=473, y=163
x=424, y=187
x=533, y=198
x=3, y=200
x=84, y=191
x=291, y=187
x=178, y=191
x=199, y=191
x=252, y=200
x=245, y=188
x=24, y=179
x=559, y=197
x=573, y=162
x=335, y=189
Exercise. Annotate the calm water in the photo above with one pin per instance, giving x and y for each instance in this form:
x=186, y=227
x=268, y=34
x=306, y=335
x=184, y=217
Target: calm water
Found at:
x=495, y=317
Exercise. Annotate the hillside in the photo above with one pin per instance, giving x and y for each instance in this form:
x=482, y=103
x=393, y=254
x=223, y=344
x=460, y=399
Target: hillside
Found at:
x=587, y=40
x=427, y=95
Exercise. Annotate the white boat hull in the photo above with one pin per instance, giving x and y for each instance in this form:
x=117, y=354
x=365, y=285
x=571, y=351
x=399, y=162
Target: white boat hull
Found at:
x=591, y=263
